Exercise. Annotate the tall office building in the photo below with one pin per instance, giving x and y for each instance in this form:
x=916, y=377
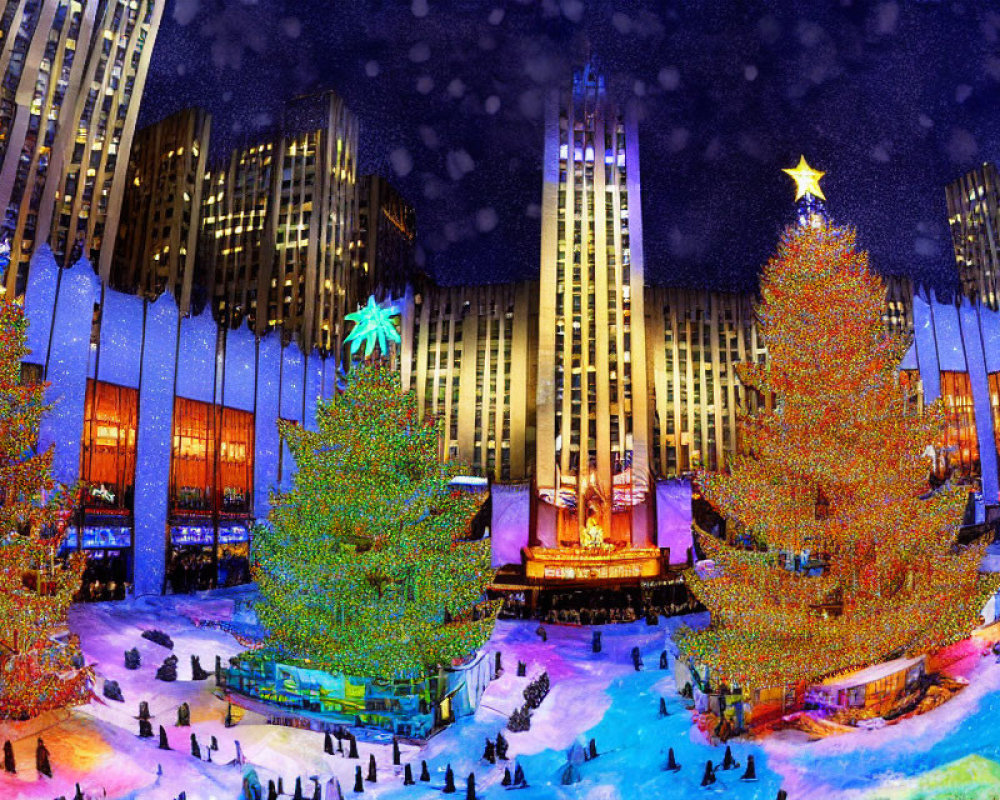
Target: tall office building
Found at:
x=73, y=76
x=469, y=352
x=592, y=473
x=280, y=226
x=387, y=231
x=696, y=339
x=156, y=250
x=974, y=217
x=237, y=231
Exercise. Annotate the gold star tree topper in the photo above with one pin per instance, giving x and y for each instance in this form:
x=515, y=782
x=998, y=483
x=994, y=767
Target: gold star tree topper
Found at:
x=806, y=180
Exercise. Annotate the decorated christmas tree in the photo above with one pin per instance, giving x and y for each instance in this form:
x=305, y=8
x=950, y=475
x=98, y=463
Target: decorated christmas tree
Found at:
x=851, y=566
x=37, y=673
x=366, y=568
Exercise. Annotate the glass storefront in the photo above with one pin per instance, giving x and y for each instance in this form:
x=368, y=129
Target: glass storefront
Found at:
x=211, y=490
x=107, y=474
x=960, y=453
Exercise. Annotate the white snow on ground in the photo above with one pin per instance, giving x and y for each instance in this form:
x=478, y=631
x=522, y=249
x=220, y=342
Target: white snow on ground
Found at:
x=596, y=696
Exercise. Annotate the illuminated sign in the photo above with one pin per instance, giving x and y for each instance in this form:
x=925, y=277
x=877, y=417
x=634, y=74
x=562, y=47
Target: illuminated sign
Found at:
x=234, y=534
x=204, y=535
x=98, y=538
x=191, y=535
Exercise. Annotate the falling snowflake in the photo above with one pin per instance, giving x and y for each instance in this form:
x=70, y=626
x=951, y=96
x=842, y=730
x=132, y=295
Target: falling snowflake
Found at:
x=402, y=161
x=669, y=78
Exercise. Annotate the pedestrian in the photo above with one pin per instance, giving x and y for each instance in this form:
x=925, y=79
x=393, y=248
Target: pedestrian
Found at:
x=42, y=759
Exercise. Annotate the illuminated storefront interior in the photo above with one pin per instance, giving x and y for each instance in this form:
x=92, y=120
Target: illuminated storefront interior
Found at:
x=211, y=490
x=107, y=474
x=961, y=447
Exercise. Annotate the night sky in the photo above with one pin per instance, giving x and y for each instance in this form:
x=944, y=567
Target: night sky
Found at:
x=891, y=99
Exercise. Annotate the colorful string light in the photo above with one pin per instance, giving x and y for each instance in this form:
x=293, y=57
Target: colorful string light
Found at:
x=37, y=672
x=365, y=568
x=830, y=476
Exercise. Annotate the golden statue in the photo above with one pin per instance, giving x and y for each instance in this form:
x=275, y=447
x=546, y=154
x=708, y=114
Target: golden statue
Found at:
x=592, y=533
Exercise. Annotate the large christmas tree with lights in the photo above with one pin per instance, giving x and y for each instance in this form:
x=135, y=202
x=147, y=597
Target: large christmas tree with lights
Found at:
x=37, y=672
x=853, y=567
x=366, y=568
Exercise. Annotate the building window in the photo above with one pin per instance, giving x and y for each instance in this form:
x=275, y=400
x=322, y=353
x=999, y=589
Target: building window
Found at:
x=994, y=381
x=961, y=447
x=107, y=466
x=236, y=461
x=910, y=386
x=193, y=457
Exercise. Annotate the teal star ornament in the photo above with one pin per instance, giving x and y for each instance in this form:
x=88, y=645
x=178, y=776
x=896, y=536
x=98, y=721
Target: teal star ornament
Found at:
x=373, y=324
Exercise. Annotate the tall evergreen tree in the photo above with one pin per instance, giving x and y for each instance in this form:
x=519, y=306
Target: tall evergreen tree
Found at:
x=366, y=568
x=832, y=474
x=36, y=587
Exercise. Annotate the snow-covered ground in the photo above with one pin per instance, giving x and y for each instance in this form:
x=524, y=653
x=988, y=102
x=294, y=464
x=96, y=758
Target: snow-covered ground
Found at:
x=950, y=752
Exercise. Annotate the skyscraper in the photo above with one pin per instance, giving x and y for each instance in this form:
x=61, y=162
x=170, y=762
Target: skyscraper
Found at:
x=974, y=217
x=280, y=226
x=73, y=75
x=387, y=229
x=469, y=354
x=592, y=416
x=237, y=233
x=156, y=249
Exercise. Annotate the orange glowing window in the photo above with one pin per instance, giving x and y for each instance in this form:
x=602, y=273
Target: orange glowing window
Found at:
x=107, y=466
x=212, y=464
x=994, y=378
x=961, y=447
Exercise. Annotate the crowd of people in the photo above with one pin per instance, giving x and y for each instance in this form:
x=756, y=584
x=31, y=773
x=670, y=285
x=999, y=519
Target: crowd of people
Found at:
x=234, y=568
x=190, y=570
x=193, y=570
x=600, y=607
x=103, y=579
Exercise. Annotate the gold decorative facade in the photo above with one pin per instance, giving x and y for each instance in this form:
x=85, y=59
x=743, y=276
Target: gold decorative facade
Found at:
x=592, y=469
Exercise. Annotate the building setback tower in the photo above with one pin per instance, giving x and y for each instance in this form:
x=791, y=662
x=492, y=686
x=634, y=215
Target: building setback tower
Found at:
x=387, y=231
x=280, y=225
x=592, y=475
x=974, y=217
x=157, y=241
x=73, y=75
x=236, y=230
